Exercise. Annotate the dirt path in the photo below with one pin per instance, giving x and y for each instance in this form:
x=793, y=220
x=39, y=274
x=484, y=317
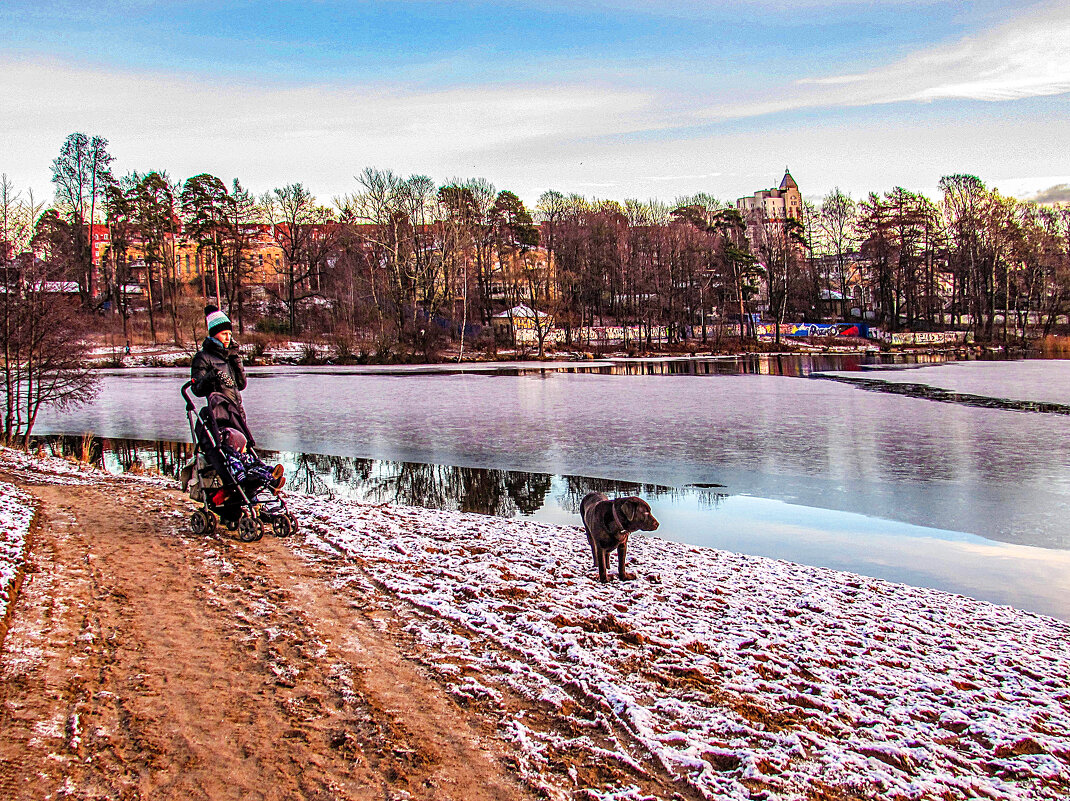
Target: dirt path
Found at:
x=143, y=662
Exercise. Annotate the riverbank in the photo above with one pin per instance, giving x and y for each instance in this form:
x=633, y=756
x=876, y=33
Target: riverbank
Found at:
x=398, y=652
x=287, y=352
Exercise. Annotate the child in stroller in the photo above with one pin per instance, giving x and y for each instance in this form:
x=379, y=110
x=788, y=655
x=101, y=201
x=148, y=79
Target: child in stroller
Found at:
x=246, y=468
x=226, y=476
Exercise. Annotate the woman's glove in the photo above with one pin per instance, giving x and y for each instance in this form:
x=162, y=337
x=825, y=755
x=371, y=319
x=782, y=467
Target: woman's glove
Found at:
x=225, y=378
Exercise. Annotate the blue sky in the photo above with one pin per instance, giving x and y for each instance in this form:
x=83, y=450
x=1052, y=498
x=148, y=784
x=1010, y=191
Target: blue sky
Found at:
x=607, y=98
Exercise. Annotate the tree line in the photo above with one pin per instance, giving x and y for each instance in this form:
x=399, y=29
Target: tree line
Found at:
x=408, y=261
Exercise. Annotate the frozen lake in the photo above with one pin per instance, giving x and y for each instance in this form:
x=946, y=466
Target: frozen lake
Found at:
x=946, y=494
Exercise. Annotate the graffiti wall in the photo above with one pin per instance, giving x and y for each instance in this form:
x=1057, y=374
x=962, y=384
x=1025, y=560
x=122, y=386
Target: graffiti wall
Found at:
x=617, y=335
x=768, y=330
x=925, y=338
x=595, y=336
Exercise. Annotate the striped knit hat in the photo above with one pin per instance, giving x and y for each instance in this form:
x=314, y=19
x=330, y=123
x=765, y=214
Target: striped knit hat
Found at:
x=217, y=320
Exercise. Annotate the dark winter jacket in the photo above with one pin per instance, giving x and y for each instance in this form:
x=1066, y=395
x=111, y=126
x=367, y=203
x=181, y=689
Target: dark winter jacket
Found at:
x=222, y=413
x=218, y=369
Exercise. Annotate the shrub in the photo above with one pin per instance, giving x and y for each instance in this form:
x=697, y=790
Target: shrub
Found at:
x=273, y=325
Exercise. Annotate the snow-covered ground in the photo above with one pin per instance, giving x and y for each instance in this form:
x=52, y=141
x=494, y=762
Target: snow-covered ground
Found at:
x=139, y=356
x=16, y=514
x=163, y=355
x=743, y=676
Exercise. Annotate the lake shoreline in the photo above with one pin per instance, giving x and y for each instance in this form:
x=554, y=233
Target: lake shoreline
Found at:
x=713, y=674
x=819, y=472
x=298, y=353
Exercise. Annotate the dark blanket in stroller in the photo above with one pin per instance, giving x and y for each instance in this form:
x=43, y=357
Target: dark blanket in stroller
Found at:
x=218, y=414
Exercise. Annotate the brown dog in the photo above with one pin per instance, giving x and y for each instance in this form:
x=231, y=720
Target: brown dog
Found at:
x=608, y=524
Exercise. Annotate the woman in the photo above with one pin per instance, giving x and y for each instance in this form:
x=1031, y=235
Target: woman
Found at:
x=218, y=367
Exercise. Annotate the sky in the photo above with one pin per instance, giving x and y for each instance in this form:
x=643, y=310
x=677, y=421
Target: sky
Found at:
x=613, y=99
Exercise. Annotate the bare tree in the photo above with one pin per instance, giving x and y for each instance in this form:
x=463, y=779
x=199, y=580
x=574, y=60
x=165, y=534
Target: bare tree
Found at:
x=376, y=209
x=836, y=224
x=45, y=351
x=306, y=233
x=240, y=214
x=779, y=245
x=82, y=174
x=460, y=233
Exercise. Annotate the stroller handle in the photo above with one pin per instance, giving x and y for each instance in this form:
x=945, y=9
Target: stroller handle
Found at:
x=190, y=407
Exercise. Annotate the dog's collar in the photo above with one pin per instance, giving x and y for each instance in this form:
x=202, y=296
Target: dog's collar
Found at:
x=616, y=517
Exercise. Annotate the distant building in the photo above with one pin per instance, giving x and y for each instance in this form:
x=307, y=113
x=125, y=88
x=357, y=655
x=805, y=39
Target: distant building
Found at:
x=773, y=204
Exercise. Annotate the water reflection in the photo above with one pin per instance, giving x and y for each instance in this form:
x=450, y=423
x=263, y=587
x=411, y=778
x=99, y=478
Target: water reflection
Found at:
x=698, y=514
x=501, y=493
x=504, y=493
x=774, y=364
x=996, y=473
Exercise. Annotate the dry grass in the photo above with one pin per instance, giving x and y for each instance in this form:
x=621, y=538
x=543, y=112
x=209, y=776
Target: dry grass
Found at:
x=1054, y=346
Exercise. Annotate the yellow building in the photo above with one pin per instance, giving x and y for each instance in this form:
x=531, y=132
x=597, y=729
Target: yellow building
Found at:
x=773, y=204
x=193, y=265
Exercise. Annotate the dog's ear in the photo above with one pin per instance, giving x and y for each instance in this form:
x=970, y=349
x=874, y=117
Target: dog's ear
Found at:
x=629, y=508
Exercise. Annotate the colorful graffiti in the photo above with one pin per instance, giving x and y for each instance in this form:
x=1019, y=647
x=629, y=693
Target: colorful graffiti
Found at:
x=768, y=330
x=597, y=336
x=926, y=338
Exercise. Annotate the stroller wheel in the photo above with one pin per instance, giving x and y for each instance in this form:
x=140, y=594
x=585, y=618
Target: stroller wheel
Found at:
x=293, y=523
x=202, y=522
x=282, y=526
x=249, y=528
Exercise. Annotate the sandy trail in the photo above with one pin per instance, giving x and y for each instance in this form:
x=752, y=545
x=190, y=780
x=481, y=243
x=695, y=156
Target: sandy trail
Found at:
x=144, y=662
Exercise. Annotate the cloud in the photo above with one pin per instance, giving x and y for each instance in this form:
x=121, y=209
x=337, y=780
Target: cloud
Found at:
x=265, y=133
x=1027, y=57
x=608, y=134
x=1060, y=193
x=675, y=178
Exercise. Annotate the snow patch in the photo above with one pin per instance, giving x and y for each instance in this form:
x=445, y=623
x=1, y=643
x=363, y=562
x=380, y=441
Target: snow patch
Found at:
x=740, y=675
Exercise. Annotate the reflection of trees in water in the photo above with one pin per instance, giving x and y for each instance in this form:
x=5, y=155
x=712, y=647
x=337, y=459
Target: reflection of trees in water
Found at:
x=502, y=493
x=165, y=457
x=81, y=446
x=576, y=487
x=313, y=470
x=132, y=455
x=528, y=490
x=754, y=364
x=708, y=497
x=492, y=492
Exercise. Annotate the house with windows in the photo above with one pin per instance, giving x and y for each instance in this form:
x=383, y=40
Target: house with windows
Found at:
x=780, y=203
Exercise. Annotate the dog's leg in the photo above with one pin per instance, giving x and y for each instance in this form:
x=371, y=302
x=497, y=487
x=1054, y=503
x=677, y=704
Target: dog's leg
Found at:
x=622, y=554
x=594, y=548
x=603, y=565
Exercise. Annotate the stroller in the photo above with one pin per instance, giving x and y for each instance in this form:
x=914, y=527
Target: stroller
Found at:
x=248, y=507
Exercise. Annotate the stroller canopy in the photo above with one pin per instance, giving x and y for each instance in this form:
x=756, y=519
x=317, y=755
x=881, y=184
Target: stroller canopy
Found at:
x=221, y=412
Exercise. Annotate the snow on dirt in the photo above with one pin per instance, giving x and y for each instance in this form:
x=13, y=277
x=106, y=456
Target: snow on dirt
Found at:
x=44, y=469
x=16, y=514
x=742, y=677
